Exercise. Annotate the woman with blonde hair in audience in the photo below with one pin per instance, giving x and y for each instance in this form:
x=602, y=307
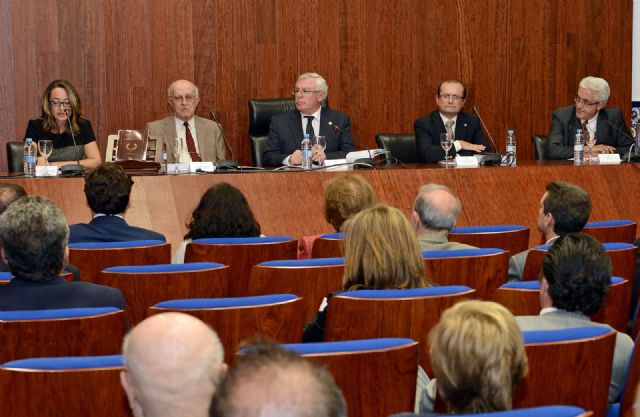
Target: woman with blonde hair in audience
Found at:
x=381, y=252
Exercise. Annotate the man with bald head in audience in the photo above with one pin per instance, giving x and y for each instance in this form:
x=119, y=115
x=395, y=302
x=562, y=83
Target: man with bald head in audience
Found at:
x=269, y=381
x=173, y=364
x=434, y=214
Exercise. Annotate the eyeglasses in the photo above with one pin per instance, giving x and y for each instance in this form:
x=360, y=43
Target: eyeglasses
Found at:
x=188, y=98
x=304, y=91
x=57, y=103
x=453, y=97
x=584, y=102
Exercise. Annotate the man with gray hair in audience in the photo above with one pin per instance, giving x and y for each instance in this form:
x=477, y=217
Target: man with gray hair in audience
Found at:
x=434, y=214
x=590, y=114
x=173, y=364
x=269, y=381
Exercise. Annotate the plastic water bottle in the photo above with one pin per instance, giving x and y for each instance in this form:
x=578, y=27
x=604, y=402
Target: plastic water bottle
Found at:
x=511, y=149
x=30, y=155
x=305, y=147
x=164, y=167
x=578, y=148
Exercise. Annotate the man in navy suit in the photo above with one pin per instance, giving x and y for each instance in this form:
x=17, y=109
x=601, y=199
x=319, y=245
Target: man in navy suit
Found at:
x=465, y=128
x=107, y=189
x=590, y=115
x=34, y=234
x=288, y=129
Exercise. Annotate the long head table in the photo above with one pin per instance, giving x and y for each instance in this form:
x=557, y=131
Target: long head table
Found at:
x=291, y=203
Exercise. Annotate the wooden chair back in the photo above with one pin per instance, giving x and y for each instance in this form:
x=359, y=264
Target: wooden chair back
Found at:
x=514, y=240
x=631, y=384
x=240, y=258
x=91, y=261
x=142, y=289
x=616, y=231
x=325, y=247
x=236, y=320
x=96, y=334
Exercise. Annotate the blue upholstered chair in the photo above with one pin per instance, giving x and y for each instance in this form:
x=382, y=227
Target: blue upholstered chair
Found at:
x=146, y=285
x=5, y=277
x=73, y=386
x=511, y=237
x=327, y=246
x=612, y=230
x=312, y=279
x=278, y=317
x=546, y=411
x=377, y=376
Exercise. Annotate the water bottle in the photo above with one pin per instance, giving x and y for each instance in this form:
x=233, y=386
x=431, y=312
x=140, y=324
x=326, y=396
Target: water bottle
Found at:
x=30, y=155
x=511, y=148
x=164, y=159
x=578, y=148
x=305, y=147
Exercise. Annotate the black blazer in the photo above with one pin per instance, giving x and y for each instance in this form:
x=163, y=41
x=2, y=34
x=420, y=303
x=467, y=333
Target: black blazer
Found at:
x=286, y=134
x=429, y=128
x=563, y=131
x=110, y=229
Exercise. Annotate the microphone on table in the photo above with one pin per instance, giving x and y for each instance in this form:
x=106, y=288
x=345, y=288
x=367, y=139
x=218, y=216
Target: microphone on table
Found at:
x=72, y=169
x=360, y=163
x=489, y=158
x=628, y=156
x=225, y=164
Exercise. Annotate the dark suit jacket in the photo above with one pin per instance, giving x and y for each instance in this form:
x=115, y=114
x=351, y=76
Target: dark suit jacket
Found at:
x=286, y=134
x=20, y=294
x=110, y=229
x=429, y=128
x=563, y=131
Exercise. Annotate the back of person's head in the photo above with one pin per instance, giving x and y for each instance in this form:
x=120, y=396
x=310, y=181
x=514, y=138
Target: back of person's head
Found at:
x=478, y=357
x=9, y=193
x=173, y=364
x=569, y=205
x=577, y=269
x=223, y=211
x=436, y=207
x=34, y=235
x=269, y=381
x=345, y=196
x=381, y=251
x=108, y=188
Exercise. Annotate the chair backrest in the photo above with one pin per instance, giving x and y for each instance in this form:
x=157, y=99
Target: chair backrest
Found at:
x=408, y=313
x=328, y=246
x=241, y=254
x=311, y=279
x=402, y=146
x=69, y=386
x=483, y=269
x=630, y=388
x=15, y=156
x=278, y=317
x=63, y=332
x=91, y=258
x=146, y=285
x=522, y=298
x=513, y=238
x=612, y=230
x=567, y=366
x=257, y=149
x=547, y=411
x=540, y=146
x=377, y=376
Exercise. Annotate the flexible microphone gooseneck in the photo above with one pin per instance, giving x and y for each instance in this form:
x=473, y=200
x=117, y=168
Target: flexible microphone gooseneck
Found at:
x=628, y=157
x=72, y=169
x=225, y=164
x=360, y=163
x=492, y=158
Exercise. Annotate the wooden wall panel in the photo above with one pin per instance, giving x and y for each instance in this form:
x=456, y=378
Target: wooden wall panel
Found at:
x=383, y=60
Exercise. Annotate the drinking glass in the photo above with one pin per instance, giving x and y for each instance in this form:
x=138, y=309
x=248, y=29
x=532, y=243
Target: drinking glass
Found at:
x=319, y=145
x=590, y=144
x=176, y=149
x=446, y=142
x=45, y=147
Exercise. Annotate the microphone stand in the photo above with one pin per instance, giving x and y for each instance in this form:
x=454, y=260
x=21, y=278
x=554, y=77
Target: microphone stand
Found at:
x=72, y=169
x=225, y=164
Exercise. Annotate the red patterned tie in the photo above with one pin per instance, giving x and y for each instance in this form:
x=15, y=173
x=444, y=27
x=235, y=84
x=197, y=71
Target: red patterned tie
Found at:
x=191, y=145
x=585, y=131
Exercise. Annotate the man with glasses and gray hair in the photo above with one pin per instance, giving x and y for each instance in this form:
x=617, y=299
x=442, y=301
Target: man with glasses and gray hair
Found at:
x=288, y=129
x=201, y=138
x=449, y=118
x=589, y=114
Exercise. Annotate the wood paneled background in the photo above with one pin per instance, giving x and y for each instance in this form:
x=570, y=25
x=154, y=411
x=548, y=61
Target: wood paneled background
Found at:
x=382, y=59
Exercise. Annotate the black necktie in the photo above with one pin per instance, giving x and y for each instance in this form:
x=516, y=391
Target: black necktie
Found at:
x=309, y=129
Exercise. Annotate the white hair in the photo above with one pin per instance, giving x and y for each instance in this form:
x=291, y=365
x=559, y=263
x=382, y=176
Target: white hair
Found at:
x=170, y=89
x=322, y=83
x=599, y=86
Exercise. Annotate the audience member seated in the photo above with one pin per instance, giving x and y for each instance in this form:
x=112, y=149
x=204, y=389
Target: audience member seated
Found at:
x=564, y=208
x=344, y=196
x=434, y=214
x=576, y=272
x=380, y=252
x=173, y=365
x=108, y=189
x=223, y=211
x=267, y=380
x=34, y=235
x=478, y=358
